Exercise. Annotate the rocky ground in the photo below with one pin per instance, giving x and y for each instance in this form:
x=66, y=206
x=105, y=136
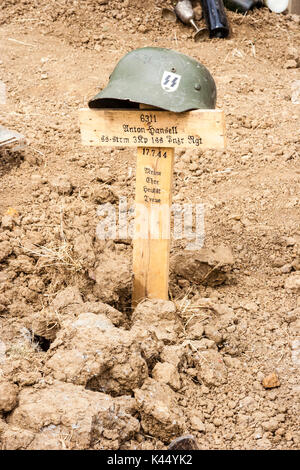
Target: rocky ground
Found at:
x=78, y=368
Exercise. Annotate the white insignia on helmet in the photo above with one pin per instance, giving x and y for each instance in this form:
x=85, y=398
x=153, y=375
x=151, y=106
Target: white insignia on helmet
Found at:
x=170, y=81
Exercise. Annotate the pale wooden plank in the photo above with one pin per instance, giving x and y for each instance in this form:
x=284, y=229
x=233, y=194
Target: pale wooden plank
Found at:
x=151, y=244
x=133, y=128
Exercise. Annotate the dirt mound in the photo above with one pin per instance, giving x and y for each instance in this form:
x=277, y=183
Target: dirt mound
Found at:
x=64, y=416
x=91, y=351
x=87, y=24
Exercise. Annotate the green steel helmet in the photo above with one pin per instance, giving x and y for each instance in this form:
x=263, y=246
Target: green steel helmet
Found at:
x=158, y=77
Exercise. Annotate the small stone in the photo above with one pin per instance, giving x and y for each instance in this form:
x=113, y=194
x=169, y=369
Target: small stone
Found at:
x=184, y=283
x=242, y=419
x=295, y=344
x=264, y=443
x=68, y=298
x=256, y=385
x=217, y=422
x=8, y=396
x=295, y=96
x=102, y=194
x=195, y=329
x=61, y=185
x=23, y=264
x=15, y=438
x=191, y=371
x=44, y=76
x=296, y=352
x=167, y=373
x=186, y=158
x=247, y=402
x=213, y=334
x=295, y=18
x=289, y=436
x=231, y=329
x=143, y=29
x=196, y=422
x=296, y=264
x=193, y=166
x=291, y=64
x=287, y=268
x=36, y=180
x=161, y=417
x=291, y=316
x=209, y=427
x=104, y=175
x=7, y=222
x=270, y=425
x=280, y=417
x=5, y=250
x=292, y=283
x=223, y=309
x=212, y=371
x=271, y=381
x=204, y=343
x=292, y=53
x=260, y=376
x=290, y=241
x=278, y=262
x=180, y=166
x=250, y=307
x=36, y=284
x=246, y=157
x=232, y=362
x=174, y=354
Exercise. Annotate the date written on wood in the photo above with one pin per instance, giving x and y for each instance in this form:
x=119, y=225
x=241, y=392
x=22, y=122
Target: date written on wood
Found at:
x=137, y=128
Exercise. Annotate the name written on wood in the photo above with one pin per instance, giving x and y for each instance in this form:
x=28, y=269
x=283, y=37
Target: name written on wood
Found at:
x=136, y=128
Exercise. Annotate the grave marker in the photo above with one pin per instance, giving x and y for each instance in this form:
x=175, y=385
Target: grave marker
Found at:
x=155, y=133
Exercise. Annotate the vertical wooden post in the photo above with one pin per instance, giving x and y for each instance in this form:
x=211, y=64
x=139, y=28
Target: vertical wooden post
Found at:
x=151, y=244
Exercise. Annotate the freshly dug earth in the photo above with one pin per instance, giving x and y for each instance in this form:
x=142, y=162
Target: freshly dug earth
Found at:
x=78, y=368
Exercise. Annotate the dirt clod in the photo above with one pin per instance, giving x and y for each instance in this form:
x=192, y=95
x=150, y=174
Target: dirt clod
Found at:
x=91, y=351
x=8, y=396
x=160, y=414
x=69, y=411
x=211, y=368
x=167, y=373
x=208, y=267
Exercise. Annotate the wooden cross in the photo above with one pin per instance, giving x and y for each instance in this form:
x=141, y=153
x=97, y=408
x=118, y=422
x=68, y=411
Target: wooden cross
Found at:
x=155, y=133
